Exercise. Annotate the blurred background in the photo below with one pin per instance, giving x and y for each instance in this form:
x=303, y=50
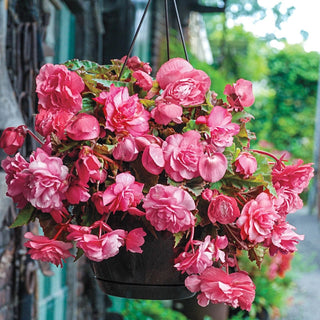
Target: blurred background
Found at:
x=274, y=44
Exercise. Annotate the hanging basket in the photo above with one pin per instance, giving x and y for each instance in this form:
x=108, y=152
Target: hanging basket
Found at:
x=147, y=275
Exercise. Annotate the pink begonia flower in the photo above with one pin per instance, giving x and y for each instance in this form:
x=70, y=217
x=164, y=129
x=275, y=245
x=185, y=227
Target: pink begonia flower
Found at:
x=182, y=84
x=58, y=215
x=173, y=70
x=169, y=208
x=77, y=192
x=221, y=128
x=223, y=209
x=126, y=149
x=123, y=194
x=164, y=113
x=216, y=286
x=97, y=199
x=124, y=113
x=49, y=250
x=12, y=139
x=239, y=94
x=144, y=81
x=182, y=153
x=135, y=240
x=46, y=181
x=143, y=141
x=16, y=176
x=246, y=164
x=280, y=264
x=152, y=159
x=213, y=167
x=76, y=233
x=207, y=194
x=283, y=239
x=257, y=218
x=88, y=165
x=296, y=176
x=203, y=256
x=134, y=63
x=83, y=126
x=288, y=201
x=100, y=248
x=59, y=88
x=53, y=121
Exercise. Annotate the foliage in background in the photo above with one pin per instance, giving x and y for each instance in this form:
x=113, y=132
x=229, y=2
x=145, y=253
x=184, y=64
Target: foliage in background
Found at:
x=149, y=310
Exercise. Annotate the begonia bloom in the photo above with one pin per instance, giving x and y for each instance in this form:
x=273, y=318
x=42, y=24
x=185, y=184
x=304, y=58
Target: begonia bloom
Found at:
x=221, y=128
x=164, y=113
x=53, y=121
x=100, y=248
x=134, y=63
x=16, y=177
x=182, y=153
x=88, y=165
x=283, y=239
x=295, y=177
x=46, y=181
x=152, y=159
x=83, y=127
x=126, y=149
x=135, y=240
x=144, y=81
x=223, y=209
x=48, y=250
x=213, y=167
x=169, y=208
x=257, y=218
x=246, y=164
x=239, y=94
x=12, y=139
x=124, y=113
x=123, y=194
x=59, y=88
x=216, y=286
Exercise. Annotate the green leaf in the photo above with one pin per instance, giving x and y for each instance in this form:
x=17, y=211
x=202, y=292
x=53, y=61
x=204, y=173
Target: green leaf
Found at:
x=78, y=255
x=107, y=83
x=177, y=238
x=24, y=216
x=76, y=64
x=88, y=104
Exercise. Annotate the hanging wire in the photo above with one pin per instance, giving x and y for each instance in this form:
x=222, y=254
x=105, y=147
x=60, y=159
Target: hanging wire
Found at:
x=134, y=39
x=180, y=30
x=167, y=28
x=167, y=33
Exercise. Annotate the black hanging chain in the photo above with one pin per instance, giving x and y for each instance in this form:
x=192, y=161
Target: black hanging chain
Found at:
x=167, y=32
x=180, y=30
x=167, y=28
x=134, y=39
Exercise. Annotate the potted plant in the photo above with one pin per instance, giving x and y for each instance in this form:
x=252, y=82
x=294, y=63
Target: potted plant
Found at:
x=127, y=162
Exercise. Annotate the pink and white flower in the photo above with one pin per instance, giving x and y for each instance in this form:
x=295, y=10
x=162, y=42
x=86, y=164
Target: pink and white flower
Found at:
x=59, y=89
x=169, y=208
x=123, y=194
x=223, y=209
x=48, y=250
x=124, y=113
x=182, y=153
x=257, y=218
x=216, y=286
x=246, y=164
x=239, y=94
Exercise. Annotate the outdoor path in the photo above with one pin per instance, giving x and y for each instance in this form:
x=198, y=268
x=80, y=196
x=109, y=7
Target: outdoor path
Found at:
x=306, y=295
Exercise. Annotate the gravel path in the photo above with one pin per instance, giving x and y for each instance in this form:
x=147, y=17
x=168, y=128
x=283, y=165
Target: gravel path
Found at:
x=306, y=295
